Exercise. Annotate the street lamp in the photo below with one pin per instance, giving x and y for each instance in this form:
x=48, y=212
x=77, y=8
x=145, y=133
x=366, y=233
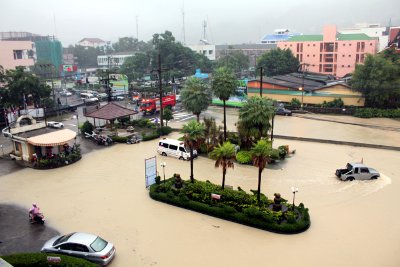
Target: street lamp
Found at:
x=163, y=165
x=302, y=95
x=294, y=190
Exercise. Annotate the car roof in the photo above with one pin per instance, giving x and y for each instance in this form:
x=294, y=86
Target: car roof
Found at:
x=357, y=165
x=82, y=238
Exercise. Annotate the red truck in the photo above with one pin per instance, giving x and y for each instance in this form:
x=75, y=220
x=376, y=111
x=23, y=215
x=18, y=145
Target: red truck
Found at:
x=152, y=105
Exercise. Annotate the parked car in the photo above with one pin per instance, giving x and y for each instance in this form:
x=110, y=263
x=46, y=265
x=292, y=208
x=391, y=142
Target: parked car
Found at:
x=283, y=111
x=65, y=93
x=55, y=124
x=102, y=96
x=356, y=171
x=83, y=245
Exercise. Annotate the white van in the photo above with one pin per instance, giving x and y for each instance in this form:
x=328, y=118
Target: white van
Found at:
x=174, y=148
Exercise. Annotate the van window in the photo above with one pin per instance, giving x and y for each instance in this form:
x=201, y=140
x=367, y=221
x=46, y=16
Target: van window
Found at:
x=164, y=145
x=182, y=149
x=173, y=147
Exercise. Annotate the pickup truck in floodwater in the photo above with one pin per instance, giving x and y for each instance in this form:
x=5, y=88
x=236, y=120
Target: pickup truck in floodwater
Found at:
x=356, y=171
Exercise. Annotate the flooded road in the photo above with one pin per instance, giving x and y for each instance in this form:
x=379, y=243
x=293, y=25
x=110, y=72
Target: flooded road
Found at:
x=353, y=223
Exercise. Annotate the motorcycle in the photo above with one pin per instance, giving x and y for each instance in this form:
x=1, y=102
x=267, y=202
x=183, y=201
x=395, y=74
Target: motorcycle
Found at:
x=36, y=218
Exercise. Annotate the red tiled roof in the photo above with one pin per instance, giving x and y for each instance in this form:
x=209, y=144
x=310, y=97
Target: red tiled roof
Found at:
x=110, y=111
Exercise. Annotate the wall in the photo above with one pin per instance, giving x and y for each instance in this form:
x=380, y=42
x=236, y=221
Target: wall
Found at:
x=7, y=54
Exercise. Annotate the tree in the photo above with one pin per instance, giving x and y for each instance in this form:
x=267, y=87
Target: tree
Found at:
x=234, y=60
x=378, y=80
x=193, y=136
x=19, y=85
x=136, y=66
x=261, y=154
x=129, y=44
x=224, y=156
x=167, y=115
x=224, y=85
x=195, y=96
x=86, y=56
x=255, y=116
x=278, y=62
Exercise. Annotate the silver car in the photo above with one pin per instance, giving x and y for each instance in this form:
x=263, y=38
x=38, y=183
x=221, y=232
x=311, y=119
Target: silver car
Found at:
x=87, y=246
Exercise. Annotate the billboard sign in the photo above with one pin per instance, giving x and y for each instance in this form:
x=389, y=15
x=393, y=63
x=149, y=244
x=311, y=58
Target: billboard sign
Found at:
x=150, y=171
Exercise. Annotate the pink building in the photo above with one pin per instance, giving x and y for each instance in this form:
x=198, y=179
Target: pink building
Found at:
x=17, y=53
x=331, y=53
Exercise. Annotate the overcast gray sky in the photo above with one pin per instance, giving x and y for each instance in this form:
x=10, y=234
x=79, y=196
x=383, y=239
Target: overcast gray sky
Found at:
x=228, y=22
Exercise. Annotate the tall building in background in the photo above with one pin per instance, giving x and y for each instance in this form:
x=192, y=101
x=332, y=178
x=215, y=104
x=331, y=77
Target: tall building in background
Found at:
x=49, y=50
x=46, y=49
x=17, y=53
x=332, y=52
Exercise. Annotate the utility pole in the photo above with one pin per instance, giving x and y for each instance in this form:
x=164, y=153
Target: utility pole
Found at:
x=161, y=90
x=261, y=81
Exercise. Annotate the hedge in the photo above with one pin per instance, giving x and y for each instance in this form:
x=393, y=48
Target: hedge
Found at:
x=234, y=205
x=119, y=139
x=243, y=157
x=40, y=260
x=377, y=113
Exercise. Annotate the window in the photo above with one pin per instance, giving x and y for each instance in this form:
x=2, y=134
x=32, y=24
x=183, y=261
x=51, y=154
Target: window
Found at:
x=313, y=45
x=348, y=66
x=182, y=149
x=344, y=44
x=313, y=55
x=98, y=244
x=349, y=55
x=17, y=54
x=343, y=56
x=364, y=170
x=349, y=44
x=80, y=248
x=308, y=55
x=210, y=52
x=17, y=146
x=357, y=58
x=173, y=147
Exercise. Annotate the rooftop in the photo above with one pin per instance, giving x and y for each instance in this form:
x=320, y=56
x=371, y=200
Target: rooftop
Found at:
x=339, y=37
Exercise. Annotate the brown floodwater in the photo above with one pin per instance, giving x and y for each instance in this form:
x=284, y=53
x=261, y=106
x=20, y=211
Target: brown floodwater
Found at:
x=353, y=223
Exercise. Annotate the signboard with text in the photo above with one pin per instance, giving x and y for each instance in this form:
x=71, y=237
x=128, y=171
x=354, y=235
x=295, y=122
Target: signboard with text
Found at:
x=150, y=171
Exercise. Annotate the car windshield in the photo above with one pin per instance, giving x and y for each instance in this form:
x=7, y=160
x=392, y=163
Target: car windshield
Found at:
x=62, y=239
x=98, y=244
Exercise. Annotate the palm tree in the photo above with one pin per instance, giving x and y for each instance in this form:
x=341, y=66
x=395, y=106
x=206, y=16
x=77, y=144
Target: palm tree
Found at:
x=224, y=85
x=260, y=153
x=224, y=156
x=255, y=115
x=196, y=96
x=193, y=136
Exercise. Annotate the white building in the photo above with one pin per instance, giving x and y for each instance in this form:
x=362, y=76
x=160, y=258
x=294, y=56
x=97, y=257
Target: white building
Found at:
x=372, y=30
x=92, y=42
x=206, y=49
x=113, y=60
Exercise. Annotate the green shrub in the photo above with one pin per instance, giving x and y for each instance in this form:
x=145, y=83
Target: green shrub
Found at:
x=87, y=127
x=119, y=139
x=283, y=151
x=40, y=260
x=377, y=113
x=236, y=206
x=243, y=157
x=165, y=130
x=274, y=155
x=151, y=136
x=335, y=103
x=295, y=103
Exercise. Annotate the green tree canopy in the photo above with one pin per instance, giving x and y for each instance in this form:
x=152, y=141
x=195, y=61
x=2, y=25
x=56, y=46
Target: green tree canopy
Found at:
x=129, y=44
x=196, y=96
x=261, y=154
x=224, y=155
x=167, y=116
x=18, y=84
x=193, y=136
x=278, y=62
x=379, y=81
x=135, y=67
x=86, y=56
x=255, y=116
x=224, y=85
x=235, y=60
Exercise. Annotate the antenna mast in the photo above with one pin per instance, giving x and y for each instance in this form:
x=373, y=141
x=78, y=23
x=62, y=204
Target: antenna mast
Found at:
x=183, y=23
x=137, y=27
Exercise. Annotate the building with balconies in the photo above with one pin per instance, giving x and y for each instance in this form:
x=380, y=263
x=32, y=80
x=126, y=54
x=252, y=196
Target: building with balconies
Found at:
x=331, y=53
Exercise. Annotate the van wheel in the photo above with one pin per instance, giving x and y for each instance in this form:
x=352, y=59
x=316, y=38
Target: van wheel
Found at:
x=164, y=154
x=350, y=179
x=374, y=177
x=181, y=158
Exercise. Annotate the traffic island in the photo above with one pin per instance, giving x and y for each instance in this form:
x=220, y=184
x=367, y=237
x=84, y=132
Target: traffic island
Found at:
x=232, y=205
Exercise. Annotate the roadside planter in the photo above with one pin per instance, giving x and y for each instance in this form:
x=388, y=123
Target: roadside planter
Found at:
x=233, y=205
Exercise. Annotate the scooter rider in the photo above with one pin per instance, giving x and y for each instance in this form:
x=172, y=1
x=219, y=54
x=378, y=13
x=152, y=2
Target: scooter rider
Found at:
x=34, y=211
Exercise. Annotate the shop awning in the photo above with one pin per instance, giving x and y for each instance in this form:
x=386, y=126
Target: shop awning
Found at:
x=56, y=138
